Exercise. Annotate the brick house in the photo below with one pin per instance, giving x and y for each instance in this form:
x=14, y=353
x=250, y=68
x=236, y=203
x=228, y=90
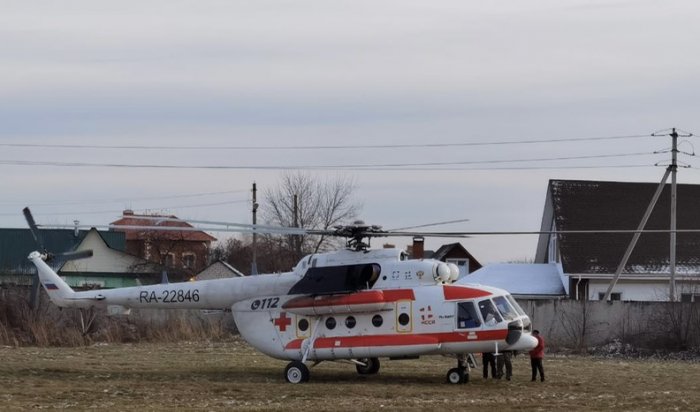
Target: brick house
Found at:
x=182, y=253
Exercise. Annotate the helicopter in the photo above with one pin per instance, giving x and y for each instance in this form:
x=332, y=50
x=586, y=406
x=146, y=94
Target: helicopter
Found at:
x=354, y=305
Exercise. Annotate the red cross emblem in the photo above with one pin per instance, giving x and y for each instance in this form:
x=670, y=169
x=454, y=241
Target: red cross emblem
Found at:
x=283, y=321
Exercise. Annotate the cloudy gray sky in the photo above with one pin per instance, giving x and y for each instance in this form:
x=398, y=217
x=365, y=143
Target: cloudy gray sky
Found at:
x=272, y=74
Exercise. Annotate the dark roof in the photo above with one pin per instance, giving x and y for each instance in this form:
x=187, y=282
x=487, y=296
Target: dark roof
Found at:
x=130, y=219
x=456, y=250
x=592, y=205
x=445, y=249
x=17, y=244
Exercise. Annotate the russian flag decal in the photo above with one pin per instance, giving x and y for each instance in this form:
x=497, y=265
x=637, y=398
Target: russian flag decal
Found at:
x=51, y=286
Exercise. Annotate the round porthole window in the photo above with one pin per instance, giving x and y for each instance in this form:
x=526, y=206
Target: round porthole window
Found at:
x=404, y=319
x=330, y=323
x=377, y=320
x=303, y=325
x=350, y=322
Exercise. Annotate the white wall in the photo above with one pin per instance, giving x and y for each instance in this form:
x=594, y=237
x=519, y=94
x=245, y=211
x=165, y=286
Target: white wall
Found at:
x=650, y=291
x=104, y=259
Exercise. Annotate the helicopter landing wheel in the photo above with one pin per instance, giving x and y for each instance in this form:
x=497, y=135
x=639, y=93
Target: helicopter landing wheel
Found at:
x=456, y=376
x=296, y=372
x=371, y=366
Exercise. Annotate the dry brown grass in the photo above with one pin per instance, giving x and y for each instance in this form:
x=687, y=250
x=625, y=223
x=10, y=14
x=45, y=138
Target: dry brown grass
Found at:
x=231, y=375
x=49, y=325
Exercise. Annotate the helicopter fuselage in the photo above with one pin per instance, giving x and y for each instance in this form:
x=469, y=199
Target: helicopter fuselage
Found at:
x=340, y=305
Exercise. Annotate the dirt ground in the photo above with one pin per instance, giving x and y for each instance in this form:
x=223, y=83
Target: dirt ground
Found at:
x=231, y=375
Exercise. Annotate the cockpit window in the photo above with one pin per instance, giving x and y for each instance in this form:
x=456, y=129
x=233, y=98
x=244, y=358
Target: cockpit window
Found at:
x=504, y=308
x=517, y=307
x=466, y=316
x=489, y=313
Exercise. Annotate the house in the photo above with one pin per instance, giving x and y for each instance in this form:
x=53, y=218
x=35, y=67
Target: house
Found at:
x=218, y=270
x=108, y=267
x=589, y=261
x=449, y=253
x=183, y=253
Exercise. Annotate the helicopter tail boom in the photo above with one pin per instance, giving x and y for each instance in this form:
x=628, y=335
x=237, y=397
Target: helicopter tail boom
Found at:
x=205, y=294
x=58, y=290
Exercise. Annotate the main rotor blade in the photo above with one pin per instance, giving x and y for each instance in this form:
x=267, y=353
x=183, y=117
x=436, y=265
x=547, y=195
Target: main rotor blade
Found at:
x=430, y=224
x=252, y=229
x=81, y=254
x=33, y=228
x=258, y=227
x=537, y=232
x=344, y=232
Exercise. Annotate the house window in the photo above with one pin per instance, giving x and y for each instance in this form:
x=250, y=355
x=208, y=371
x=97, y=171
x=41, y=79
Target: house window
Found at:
x=169, y=259
x=690, y=297
x=613, y=296
x=553, y=252
x=188, y=260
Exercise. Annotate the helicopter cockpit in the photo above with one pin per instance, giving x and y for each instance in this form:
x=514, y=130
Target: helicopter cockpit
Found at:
x=492, y=311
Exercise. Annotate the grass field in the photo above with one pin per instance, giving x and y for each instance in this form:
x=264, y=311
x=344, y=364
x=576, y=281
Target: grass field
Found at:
x=231, y=375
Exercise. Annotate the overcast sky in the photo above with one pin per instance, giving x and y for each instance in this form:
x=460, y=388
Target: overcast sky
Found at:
x=273, y=74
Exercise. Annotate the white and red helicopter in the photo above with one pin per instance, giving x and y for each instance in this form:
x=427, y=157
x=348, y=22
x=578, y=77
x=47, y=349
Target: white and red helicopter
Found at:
x=354, y=305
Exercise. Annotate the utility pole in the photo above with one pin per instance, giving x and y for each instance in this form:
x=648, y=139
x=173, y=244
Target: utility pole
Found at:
x=254, y=264
x=670, y=170
x=672, y=256
x=673, y=168
x=297, y=240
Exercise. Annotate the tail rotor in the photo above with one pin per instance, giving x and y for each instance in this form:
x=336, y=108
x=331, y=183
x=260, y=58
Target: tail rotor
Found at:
x=48, y=256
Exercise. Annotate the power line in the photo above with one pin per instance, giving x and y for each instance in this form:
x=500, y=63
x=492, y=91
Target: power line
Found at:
x=126, y=199
x=309, y=167
x=543, y=159
x=98, y=212
x=320, y=147
x=457, y=169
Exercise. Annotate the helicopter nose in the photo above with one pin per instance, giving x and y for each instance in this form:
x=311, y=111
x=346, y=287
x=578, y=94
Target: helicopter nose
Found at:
x=524, y=343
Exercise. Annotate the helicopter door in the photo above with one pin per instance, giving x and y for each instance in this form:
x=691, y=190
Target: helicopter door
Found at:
x=404, y=321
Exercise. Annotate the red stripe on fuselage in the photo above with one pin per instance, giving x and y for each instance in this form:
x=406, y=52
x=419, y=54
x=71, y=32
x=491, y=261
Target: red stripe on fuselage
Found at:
x=463, y=292
x=357, y=298
x=400, y=339
x=393, y=295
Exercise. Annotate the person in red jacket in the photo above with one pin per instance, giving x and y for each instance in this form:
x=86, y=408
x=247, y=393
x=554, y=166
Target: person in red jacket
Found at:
x=536, y=356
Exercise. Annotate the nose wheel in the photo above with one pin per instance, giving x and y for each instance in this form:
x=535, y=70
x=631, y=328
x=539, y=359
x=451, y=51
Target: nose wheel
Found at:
x=455, y=376
x=460, y=374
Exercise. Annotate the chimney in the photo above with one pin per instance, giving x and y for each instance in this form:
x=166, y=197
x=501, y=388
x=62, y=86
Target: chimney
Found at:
x=418, y=247
x=76, y=231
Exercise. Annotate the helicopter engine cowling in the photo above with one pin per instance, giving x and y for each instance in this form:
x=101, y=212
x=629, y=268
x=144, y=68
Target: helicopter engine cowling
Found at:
x=441, y=272
x=454, y=272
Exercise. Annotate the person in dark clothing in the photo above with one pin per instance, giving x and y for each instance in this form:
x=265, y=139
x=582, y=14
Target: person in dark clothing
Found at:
x=504, y=359
x=489, y=361
x=536, y=356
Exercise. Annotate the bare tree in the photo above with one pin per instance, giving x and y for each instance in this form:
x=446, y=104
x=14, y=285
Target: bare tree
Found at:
x=320, y=204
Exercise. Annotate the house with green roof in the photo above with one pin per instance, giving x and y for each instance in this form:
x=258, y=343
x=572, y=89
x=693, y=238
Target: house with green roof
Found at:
x=109, y=267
